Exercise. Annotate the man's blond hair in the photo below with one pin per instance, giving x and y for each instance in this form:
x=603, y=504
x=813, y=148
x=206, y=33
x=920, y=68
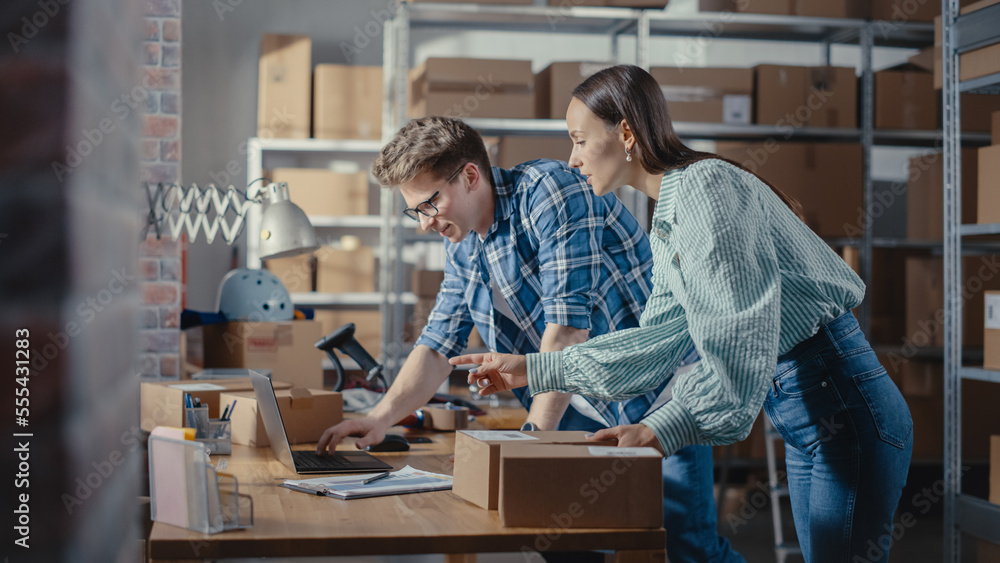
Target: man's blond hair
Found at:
x=439, y=145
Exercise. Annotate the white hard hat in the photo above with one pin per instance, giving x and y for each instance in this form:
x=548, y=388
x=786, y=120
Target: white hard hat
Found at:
x=254, y=295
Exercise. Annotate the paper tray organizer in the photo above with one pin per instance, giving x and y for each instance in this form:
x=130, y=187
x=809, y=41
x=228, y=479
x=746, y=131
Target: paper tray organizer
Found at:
x=186, y=491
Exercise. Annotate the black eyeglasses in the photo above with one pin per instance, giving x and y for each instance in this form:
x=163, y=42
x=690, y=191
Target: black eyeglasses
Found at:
x=427, y=207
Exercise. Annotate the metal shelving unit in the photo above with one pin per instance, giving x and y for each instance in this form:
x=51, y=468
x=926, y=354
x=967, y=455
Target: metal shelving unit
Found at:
x=963, y=514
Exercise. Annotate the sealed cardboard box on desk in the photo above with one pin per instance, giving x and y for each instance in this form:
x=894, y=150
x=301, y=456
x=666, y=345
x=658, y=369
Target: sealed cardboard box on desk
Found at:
x=598, y=486
x=306, y=413
x=477, y=459
x=286, y=347
x=161, y=403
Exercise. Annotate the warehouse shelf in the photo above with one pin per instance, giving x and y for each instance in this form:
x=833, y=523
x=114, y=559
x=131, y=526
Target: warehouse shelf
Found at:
x=976, y=229
x=980, y=374
x=963, y=514
x=738, y=132
x=348, y=221
x=545, y=19
x=357, y=299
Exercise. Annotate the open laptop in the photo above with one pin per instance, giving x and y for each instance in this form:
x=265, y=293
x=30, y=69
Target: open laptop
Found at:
x=305, y=461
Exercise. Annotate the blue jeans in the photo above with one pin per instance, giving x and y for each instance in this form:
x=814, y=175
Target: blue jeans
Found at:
x=848, y=438
x=689, y=514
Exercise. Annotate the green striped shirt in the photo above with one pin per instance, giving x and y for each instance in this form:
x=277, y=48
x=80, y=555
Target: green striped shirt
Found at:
x=736, y=273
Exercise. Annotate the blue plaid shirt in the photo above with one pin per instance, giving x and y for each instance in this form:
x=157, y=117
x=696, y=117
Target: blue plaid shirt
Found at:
x=558, y=254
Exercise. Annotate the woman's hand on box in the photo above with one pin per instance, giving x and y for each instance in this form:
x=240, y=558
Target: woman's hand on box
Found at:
x=629, y=436
x=496, y=372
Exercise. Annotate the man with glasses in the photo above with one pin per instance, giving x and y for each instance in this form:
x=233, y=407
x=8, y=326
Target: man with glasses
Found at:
x=536, y=262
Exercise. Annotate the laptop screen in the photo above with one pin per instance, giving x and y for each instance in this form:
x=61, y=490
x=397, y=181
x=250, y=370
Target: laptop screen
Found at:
x=268, y=405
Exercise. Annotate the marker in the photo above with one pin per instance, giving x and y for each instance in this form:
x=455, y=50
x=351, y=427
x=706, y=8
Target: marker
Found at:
x=223, y=417
x=375, y=478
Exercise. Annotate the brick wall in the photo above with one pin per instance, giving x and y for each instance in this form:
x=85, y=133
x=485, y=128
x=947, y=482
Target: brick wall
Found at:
x=160, y=260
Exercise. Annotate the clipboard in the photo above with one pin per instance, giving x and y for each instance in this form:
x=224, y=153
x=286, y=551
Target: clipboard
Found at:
x=186, y=490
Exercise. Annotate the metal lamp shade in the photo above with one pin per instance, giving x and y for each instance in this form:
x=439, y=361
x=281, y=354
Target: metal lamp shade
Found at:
x=285, y=230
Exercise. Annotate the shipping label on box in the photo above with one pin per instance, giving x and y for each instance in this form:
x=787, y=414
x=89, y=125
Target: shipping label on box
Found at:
x=477, y=459
x=597, y=487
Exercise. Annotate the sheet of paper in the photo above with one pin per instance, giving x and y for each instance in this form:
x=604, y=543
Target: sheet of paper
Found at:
x=498, y=435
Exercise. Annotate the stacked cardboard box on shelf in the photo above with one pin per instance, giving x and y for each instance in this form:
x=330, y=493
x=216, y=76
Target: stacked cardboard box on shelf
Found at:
x=828, y=9
x=976, y=108
x=347, y=102
x=515, y=149
x=321, y=192
x=904, y=99
x=554, y=86
x=345, y=270
x=908, y=10
x=989, y=176
x=461, y=87
x=297, y=273
x=925, y=192
x=797, y=96
x=991, y=330
x=825, y=179
x=707, y=95
x=983, y=61
x=283, y=91
x=925, y=299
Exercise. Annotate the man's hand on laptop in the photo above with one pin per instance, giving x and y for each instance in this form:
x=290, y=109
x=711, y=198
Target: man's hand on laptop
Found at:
x=366, y=429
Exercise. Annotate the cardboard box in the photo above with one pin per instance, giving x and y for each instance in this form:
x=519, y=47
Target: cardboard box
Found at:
x=515, y=149
x=461, y=87
x=345, y=271
x=286, y=347
x=297, y=272
x=283, y=91
x=597, y=486
x=306, y=414
x=988, y=178
x=511, y=2
x=921, y=378
x=979, y=422
x=347, y=102
x=905, y=99
x=991, y=330
x=477, y=459
x=323, y=193
x=707, y=95
x=778, y=7
x=987, y=552
x=923, y=60
x=973, y=64
x=925, y=194
x=161, y=403
x=908, y=10
x=367, y=326
x=977, y=111
x=995, y=128
x=426, y=283
x=925, y=299
x=554, y=86
x=806, y=96
x=854, y=9
x=825, y=179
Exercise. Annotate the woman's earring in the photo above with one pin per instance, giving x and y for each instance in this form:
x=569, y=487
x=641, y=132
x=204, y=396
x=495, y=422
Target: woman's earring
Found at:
x=628, y=155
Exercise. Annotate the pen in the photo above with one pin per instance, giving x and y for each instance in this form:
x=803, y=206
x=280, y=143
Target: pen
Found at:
x=231, y=409
x=223, y=417
x=375, y=478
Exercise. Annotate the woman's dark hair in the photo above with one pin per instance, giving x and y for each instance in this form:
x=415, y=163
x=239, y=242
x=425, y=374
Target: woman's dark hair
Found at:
x=630, y=93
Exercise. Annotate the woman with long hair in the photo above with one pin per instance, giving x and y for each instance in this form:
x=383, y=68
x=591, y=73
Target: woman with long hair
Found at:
x=766, y=303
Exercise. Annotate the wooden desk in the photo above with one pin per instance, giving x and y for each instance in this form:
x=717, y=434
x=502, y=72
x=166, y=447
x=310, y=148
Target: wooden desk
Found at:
x=293, y=524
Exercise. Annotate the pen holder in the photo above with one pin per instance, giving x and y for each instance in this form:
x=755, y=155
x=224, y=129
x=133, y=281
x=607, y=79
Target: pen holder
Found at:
x=219, y=437
x=197, y=418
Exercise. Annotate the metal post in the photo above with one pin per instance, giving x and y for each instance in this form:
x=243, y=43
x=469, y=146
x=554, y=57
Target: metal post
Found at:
x=867, y=139
x=952, y=282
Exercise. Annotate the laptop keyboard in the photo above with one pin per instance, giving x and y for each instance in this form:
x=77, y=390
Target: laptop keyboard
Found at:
x=309, y=460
